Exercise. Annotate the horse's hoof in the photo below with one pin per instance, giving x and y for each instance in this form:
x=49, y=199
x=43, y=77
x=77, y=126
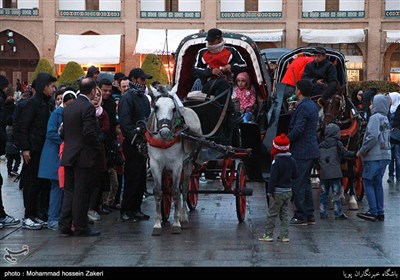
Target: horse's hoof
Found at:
x=156, y=231
x=185, y=225
x=353, y=205
x=176, y=230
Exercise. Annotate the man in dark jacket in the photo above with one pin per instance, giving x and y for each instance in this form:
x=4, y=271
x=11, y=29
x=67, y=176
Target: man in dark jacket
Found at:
x=322, y=73
x=304, y=148
x=134, y=108
x=80, y=134
x=32, y=123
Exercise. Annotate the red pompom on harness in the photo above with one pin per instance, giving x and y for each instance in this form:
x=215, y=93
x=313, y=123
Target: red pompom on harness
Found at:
x=161, y=144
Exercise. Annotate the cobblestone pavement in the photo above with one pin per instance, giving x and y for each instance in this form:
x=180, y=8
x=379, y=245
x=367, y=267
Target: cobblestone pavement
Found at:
x=215, y=238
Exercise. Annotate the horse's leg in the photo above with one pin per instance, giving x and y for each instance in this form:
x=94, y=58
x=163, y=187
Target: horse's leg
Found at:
x=177, y=197
x=157, y=177
x=187, y=172
x=353, y=205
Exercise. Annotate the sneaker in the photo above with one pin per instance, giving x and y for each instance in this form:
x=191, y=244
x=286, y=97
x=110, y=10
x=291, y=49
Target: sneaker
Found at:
x=367, y=216
x=310, y=221
x=1, y=225
x=203, y=180
x=40, y=221
x=53, y=226
x=297, y=222
x=266, y=238
x=9, y=221
x=283, y=239
x=31, y=224
x=390, y=179
x=93, y=215
x=381, y=217
x=342, y=217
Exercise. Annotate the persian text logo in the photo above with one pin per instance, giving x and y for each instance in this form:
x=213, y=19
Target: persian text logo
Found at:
x=10, y=255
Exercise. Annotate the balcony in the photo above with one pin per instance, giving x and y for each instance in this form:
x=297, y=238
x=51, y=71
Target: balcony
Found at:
x=19, y=12
x=334, y=14
x=89, y=14
x=165, y=14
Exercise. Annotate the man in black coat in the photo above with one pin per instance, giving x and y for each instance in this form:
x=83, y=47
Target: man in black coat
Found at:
x=133, y=108
x=32, y=127
x=80, y=134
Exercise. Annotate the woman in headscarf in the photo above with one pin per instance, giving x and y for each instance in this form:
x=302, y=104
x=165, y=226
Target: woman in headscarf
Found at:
x=394, y=119
x=101, y=177
x=50, y=160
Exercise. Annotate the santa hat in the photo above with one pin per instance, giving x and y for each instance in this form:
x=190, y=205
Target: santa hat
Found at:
x=280, y=144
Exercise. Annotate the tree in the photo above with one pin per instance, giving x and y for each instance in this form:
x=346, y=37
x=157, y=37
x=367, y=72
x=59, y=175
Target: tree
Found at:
x=72, y=72
x=153, y=66
x=43, y=66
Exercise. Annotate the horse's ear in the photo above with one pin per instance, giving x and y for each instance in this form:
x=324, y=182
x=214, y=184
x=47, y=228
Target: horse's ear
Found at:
x=174, y=90
x=154, y=91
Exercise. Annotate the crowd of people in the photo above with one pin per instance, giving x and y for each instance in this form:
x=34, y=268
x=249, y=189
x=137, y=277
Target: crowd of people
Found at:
x=82, y=158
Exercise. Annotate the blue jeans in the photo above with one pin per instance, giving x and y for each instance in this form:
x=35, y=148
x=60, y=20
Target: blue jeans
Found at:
x=373, y=172
x=302, y=191
x=326, y=185
x=394, y=165
x=247, y=117
x=56, y=196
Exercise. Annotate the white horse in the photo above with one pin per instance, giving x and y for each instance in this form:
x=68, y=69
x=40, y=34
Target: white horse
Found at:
x=168, y=151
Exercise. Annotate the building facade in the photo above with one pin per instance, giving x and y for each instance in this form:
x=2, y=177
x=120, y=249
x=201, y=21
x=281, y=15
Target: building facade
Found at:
x=367, y=32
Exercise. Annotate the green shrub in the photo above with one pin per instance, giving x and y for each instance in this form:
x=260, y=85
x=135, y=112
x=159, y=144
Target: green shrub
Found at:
x=72, y=72
x=43, y=66
x=153, y=66
x=382, y=86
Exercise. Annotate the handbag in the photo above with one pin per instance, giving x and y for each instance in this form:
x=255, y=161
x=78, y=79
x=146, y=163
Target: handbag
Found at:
x=395, y=134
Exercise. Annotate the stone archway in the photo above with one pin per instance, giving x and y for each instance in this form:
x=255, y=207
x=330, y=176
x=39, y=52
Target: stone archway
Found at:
x=18, y=57
x=391, y=59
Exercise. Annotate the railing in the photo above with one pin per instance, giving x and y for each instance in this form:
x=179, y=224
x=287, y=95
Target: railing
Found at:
x=252, y=15
x=90, y=14
x=392, y=13
x=164, y=14
x=19, y=12
x=334, y=14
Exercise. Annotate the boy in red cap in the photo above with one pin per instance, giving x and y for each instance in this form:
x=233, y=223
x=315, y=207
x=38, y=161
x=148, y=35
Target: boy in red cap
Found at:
x=282, y=177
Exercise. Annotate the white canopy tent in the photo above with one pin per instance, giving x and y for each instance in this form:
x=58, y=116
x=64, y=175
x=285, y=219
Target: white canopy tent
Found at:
x=260, y=35
x=85, y=49
x=332, y=36
x=161, y=41
x=392, y=36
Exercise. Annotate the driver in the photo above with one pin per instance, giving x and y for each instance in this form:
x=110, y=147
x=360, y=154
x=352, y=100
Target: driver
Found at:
x=322, y=73
x=216, y=66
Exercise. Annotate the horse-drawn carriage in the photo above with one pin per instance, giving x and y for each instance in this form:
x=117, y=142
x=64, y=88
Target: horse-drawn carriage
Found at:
x=338, y=109
x=236, y=155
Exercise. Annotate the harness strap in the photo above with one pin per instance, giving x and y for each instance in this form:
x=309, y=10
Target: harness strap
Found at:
x=351, y=131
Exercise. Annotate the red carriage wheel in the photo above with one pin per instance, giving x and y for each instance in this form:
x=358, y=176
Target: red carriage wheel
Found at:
x=166, y=198
x=240, y=186
x=193, y=194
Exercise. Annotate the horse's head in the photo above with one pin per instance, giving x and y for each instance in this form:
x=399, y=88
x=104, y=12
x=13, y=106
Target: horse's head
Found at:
x=333, y=108
x=164, y=112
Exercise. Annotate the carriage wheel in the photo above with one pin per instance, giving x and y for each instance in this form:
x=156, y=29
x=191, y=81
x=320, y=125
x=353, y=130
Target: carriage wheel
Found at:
x=193, y=194
x=240, y=186
x=358, y=182
x=166, y=198
x=358, y=188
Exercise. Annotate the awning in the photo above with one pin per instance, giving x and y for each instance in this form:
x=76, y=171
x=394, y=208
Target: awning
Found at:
x=260, y=35
x=161, y=41
x=392, y=36
x=85, y=49
x=332, y=36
